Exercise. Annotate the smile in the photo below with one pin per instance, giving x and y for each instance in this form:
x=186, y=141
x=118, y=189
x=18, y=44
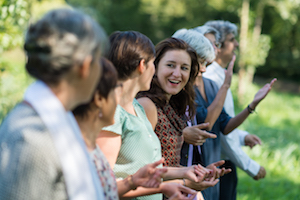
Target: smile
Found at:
x=174, y=81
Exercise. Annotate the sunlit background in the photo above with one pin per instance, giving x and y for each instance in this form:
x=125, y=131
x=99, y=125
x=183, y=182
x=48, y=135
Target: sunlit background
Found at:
x=270, y=38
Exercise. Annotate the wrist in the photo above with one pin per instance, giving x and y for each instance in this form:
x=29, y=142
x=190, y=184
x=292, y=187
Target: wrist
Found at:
x=250, y=109
x=131, y=183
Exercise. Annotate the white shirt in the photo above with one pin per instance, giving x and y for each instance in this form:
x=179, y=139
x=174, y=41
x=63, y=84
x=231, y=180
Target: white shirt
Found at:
x=231, y=143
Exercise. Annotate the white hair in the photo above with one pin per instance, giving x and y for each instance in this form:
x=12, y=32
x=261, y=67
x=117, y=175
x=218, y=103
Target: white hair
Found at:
x=208, y=29
x=224, y=28
x=197, y=41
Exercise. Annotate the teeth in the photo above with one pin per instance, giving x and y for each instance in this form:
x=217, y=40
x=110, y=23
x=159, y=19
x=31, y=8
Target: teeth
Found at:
x=174, y=81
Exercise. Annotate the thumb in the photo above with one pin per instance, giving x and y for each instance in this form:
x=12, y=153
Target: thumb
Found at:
x=155, y=164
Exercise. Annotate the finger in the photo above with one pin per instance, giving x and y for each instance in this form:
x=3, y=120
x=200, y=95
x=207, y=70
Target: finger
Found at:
x=257, y=139
x=206, y=134
x=187, y=190
x=202, y=126
x=273, y=81
x=219, y=163
x=231, y=64
x=155, y=164
x=227, y=171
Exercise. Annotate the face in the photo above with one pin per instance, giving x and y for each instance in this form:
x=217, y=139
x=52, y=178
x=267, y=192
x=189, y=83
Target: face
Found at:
x=110, y=105
x=227, y=50
x=147, y=76
x=202, y=64
x=90, y=84
x=216, y=45
x=173, y=71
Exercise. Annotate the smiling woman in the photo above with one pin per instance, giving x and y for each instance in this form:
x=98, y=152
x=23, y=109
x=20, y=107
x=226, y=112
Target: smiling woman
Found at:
x=170, y=93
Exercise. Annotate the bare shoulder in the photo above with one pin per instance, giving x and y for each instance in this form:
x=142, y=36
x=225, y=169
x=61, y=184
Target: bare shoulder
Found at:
x=150, y=110
x=147, y=103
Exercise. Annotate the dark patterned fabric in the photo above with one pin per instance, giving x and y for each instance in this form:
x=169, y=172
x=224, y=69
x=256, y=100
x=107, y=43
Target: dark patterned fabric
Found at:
x=169, y=131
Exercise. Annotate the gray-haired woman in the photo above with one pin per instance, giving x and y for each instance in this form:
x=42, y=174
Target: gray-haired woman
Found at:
x=42, y=154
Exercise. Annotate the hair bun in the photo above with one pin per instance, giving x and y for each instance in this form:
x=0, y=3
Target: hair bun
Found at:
x=37, y=48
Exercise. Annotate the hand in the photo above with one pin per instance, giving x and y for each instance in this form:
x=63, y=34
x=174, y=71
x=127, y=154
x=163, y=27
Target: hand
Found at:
x=229, y=72
x=216, y=172
x=194, y=173
x=195, y=136
x=177, y=191
x=252, y=140
x=200, y=186
x=261, y=174
x=262, y=93
x=149, y=176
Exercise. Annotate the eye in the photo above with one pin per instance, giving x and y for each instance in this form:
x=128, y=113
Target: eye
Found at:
x=171, y=65
x=184, y=68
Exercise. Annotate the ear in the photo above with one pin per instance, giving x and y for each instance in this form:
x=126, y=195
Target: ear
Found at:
x=98, y=100
x=85, y=68
x=142, y=66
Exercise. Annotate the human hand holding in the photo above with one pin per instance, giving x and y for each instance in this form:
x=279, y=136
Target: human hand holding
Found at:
x=229, y=72
x=217, y=172
x=195, y=135
x=177, y=191
x=149, y=176
x=252, y=140
x=261, y=174
x=194, y=173
x=262, y=93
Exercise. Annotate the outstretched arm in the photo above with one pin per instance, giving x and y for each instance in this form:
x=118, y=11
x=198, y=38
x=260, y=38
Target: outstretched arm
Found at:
x=215, y=108
x=240, y=118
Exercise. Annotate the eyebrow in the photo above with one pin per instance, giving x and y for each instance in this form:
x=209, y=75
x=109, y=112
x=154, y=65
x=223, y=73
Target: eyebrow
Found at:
x=171, y=61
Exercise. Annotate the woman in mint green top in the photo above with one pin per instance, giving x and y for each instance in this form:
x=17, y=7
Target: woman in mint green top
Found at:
x=131, y=143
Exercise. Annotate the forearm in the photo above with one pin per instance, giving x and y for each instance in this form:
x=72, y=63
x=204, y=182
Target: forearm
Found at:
x=236, y=121
x=215, y=108
x=174, y=173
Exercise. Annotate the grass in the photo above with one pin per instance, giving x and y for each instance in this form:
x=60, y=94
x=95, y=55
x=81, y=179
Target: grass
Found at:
x=276, y=123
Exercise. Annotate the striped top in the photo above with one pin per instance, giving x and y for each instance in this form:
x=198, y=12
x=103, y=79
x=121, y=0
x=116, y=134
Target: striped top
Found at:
x=140, y=145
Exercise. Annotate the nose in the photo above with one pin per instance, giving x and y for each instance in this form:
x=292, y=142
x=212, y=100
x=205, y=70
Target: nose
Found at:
x=176, y=71
x=236, y=43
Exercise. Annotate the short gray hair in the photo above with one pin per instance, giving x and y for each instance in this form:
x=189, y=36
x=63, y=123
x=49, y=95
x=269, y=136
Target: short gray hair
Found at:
x=198, y=42
x=60, y=40
x=224, y=28
x=208, y=29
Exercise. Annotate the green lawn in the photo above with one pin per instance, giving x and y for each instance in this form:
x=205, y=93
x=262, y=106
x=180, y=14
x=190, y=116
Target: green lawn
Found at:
x=277, y=122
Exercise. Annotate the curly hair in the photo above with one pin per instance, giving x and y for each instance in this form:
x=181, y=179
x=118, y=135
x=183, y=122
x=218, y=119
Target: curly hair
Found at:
x=185, y=98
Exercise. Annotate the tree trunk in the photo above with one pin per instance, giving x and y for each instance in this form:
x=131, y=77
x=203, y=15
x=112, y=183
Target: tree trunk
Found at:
x=243, y=45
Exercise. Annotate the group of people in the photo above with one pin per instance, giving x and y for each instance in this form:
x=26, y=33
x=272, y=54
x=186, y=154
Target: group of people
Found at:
x=121, y=118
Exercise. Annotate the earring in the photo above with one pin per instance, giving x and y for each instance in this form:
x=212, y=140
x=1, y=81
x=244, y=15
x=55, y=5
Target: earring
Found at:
x=100, y=113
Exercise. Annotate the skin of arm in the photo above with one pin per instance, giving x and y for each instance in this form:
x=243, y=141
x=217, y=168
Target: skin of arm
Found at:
x=215, y=108
x=106, y=140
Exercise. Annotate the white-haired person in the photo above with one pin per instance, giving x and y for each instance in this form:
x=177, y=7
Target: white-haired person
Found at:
x=232, y=143
x=42, y=153
x=211, y=34
x=209, y=105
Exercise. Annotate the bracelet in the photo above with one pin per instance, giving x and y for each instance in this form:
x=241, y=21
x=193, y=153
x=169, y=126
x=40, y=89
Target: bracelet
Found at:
x=250, y=110
x=183, y=182
x=130, y=182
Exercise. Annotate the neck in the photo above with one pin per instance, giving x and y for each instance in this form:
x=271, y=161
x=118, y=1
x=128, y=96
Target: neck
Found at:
x=66, y=95
x=90, y=129
x=221, y=62
x=130, y=90
x=198, y=80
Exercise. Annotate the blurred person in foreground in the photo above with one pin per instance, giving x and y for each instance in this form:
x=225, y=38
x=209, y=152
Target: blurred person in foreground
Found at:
x=42, y=154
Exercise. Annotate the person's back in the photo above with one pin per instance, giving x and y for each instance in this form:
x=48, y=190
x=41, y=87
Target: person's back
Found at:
x=30, y=166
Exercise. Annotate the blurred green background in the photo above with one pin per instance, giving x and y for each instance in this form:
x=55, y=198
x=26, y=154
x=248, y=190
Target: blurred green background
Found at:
x=272, y=49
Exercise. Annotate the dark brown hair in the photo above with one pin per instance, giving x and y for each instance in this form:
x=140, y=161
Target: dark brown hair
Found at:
x=127, y=49
x=108, y=81
x=186, y=96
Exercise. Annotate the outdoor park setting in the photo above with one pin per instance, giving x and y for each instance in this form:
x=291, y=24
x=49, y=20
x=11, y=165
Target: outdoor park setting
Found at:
x=269, y=37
